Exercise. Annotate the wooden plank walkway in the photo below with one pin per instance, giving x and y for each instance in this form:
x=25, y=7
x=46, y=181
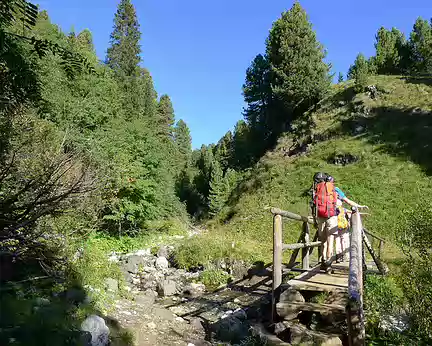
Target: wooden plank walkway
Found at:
x=318, y=280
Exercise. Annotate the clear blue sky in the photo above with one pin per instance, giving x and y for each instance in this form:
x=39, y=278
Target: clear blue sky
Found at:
x=198, y=50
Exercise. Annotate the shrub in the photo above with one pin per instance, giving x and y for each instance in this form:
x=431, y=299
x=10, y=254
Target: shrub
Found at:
x=213, y=278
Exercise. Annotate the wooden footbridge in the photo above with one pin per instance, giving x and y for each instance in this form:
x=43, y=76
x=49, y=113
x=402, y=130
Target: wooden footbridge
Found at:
x=342, y=285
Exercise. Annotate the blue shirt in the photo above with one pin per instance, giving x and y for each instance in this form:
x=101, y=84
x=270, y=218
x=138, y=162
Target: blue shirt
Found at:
x=340, y=193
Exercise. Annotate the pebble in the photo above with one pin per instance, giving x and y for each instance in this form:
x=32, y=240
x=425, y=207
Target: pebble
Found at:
x=151, y=325
x=179, y=319
x=236, y=300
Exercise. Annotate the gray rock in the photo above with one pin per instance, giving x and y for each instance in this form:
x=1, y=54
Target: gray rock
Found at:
x=162, y=263
x=230, y=329
x=40, y=301
x=239, y=269
x=163, y=252
x=133, y=263
x=291, y=295
x=395, y=323
x=197, y=324
x=96, y=327
x=167, y=288
x=111, y=285
x=145, y=299
x=194, y=289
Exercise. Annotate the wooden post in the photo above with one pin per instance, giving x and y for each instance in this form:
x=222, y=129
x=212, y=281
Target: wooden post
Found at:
x=355, y=315
x=305, y=251
x=380, y=249
x=277, y=262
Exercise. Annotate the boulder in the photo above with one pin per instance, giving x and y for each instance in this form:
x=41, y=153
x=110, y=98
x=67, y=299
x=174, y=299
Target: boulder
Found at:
x=194, y=289
x=162, y=263
x=111, y=285
x=146, y=298
x=133, y=263
x=167, y=288
x=197, y=324
x=163, y=251
x=231, y=329
x=96, y=332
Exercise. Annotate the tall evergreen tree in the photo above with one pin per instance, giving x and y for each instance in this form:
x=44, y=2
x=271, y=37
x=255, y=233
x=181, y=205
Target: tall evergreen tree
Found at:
x=123, y=54
x=217, y=189
x=300, y=77
x=359, y=72
x=389, y=47
x=340, y=77
x=183, y=140
x=421, y=46
x=165, y=115
x=224, y=151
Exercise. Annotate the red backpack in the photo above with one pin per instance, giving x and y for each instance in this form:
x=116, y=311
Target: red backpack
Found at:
x=325, y=200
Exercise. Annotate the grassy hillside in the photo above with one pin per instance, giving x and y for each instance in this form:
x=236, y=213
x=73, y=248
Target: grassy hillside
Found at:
x=392, y=138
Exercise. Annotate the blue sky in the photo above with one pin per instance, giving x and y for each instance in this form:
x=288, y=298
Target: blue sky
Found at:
x=198, y=50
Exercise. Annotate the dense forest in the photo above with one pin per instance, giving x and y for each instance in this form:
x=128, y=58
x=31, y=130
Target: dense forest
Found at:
x=89, y=150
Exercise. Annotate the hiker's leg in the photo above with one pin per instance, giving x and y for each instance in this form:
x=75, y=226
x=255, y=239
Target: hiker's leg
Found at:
x=332, y=228
x=322, y=237
x=345, y=238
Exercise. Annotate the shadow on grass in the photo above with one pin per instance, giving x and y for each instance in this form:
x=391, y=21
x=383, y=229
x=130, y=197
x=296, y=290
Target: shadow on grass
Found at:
x=40, y=308
x=405, y=133
x=426, y=80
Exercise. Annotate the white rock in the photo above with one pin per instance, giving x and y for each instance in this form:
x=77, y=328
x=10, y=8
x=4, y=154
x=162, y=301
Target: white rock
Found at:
x=151, y=325
x=179, y=319
x=190, y=344
x=236, y=300
x=161, y=263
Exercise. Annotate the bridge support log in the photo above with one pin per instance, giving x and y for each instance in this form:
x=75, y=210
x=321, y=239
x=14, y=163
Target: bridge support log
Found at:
x=305, y=250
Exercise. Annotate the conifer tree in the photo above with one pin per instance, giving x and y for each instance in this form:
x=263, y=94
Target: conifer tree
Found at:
x=359, y=72
x=389, y=49
x=123, y=55
x=421, y=46
x=300, y=77
x=224, y=151
x=340, y=77
x=165, y=115
x=218, y=189
x=183, y=140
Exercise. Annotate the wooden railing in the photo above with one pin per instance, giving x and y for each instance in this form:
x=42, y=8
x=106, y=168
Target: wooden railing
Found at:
x=355, y=314
x=354, y=309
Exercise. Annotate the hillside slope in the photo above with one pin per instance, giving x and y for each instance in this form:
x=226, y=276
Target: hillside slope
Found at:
x=389, y=136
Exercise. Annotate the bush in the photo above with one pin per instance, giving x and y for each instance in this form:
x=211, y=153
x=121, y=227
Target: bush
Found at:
x=415, y=239
x=382, y=297
x=213, y=278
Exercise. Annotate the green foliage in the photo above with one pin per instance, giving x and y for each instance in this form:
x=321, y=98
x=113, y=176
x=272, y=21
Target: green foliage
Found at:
x=340, y=77
x=421, y=46
x=123, y=54
x=214, y=278
x=389, y=51
x=415, y=237
x=383, y=296
x=359, y=72
x=300, y=77
x=165, y=113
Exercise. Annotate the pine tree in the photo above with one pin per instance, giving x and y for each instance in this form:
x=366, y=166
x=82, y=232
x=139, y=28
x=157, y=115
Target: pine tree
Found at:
x=389, y=49
x=224, y=151
x=183, y=140
x=165, y=115
x=241, y=157
x=123, y=55
x=421, y=46
x=218, y=189
x=300, y=77
x=359, y=72
x=340, y=77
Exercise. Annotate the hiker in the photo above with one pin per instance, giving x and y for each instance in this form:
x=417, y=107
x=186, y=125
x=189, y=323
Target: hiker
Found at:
x=342, y=236
x=325, y=200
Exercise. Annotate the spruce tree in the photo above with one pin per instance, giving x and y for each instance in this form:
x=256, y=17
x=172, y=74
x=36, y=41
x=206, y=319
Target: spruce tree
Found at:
x=359, y=72
x=340, y=77
x=123, y=55
x=300, y=77
x=421, y=46
x=165, y=115
x=224, y=151
x=389, y=49
x=183, y=140
x=217, y=189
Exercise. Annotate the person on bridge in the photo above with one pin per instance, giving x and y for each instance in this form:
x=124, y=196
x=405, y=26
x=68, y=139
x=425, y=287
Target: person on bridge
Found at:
x=326, y=198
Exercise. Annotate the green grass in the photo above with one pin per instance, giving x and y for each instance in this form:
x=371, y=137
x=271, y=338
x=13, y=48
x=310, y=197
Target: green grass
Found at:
x=391, y=177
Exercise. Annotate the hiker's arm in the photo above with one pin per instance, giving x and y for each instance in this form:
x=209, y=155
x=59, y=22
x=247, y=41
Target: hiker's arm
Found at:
x=354, y=204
